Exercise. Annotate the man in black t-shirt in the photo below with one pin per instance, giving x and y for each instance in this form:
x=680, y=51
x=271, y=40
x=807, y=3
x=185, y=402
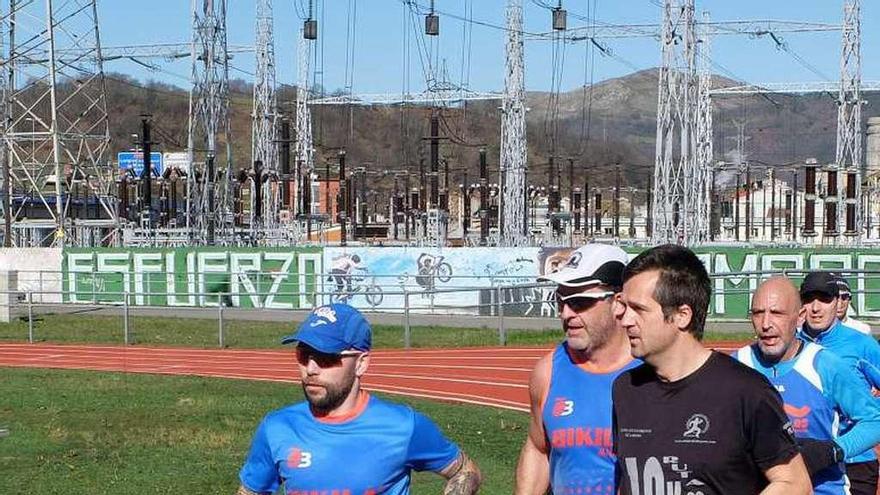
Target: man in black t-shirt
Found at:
x=690, y=420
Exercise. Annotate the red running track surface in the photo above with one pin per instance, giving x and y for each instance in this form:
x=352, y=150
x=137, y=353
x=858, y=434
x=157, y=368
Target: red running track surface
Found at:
x=487, y=376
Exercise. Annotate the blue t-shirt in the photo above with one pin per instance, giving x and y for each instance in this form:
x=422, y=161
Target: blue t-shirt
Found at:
x=824, y=400
x=860, y=351
x=368, y=454
x=577, y=423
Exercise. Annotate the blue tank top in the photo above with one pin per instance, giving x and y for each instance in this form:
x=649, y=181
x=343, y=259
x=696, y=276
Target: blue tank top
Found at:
x=577, y=423
x=369, y=454
x=811, y=414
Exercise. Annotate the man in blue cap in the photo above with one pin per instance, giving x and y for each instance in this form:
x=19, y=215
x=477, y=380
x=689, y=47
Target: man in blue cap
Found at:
x=342, y=439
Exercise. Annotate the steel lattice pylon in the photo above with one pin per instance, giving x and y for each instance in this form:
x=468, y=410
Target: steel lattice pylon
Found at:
x=303, y=149
x=704, y=146
x=849, y=110
x=56, y=133
x=264, y=144
x=209, y=194
x=513, y=133
x=677, y=197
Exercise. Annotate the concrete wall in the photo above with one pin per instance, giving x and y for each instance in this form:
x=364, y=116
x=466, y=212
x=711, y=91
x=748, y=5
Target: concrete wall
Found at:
x=39, y=270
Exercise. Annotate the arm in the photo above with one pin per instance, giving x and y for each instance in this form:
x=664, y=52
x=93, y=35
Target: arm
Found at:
x=788, y=478
x=870, y=363
x=259, y=474
x=848, y=391
x=463, y=476
x=533, y=468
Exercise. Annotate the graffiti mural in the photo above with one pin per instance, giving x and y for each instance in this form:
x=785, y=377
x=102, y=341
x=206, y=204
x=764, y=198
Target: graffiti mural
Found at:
x=453, y=280
x=457, y=280
x=248, y=278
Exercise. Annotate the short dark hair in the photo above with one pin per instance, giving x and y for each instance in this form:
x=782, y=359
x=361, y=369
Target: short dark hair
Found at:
x=683, y=280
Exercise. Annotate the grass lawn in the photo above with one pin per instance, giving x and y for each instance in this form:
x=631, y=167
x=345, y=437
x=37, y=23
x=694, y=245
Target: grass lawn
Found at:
x=77, y=432
x=256, y=334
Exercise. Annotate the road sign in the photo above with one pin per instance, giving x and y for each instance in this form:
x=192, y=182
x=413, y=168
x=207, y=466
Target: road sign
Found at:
x=134, y=160
x=176, y=159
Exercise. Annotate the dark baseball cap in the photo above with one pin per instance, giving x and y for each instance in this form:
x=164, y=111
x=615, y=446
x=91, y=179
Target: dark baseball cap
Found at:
x=824, y=283
x=332, y=329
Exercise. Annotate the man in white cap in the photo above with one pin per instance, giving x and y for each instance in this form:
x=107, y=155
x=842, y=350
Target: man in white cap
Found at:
x=569, y=445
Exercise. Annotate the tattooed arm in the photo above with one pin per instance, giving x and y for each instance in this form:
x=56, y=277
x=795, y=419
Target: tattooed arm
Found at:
x=463, y=476
x=244, y=491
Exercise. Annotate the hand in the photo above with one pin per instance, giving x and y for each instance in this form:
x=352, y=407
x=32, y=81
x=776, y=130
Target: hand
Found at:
x=819, y=454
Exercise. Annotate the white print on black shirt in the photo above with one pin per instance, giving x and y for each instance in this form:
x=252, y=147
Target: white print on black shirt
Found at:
x=650, y=479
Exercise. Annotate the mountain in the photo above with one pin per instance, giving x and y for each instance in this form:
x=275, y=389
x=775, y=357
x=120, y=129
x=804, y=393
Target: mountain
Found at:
x=612, y=122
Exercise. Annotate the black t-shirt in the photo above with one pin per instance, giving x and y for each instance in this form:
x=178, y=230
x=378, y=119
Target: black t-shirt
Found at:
x=713, y=432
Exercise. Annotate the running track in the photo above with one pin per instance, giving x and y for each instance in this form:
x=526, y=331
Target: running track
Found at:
x=496, y=376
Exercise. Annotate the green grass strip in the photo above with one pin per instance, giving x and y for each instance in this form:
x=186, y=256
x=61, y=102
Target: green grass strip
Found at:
x=77, y=432
x=203, y=333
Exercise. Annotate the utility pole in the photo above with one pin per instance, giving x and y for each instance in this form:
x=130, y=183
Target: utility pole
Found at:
x=617, y=202
x=748, y=202
x=342, y=202
x=147, y=173
x=772, y=205
x=736, y=206
x=588, y=221
x=794, y=206
x=435, y=158
x=484, y=198
x=395, y=206
x=285, y=164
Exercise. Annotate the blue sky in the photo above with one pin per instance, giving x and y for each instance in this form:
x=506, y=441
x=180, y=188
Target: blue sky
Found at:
x=379, y=35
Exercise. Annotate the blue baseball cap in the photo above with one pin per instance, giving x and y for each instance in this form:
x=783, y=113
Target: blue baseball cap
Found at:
x=332, y=329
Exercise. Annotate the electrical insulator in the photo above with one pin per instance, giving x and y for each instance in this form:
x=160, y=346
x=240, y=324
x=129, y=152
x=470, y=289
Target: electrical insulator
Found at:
x=559, y=19
x=432, y=24
x=310, y=29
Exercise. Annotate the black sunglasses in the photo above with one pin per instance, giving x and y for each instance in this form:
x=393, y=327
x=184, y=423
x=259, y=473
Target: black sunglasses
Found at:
x=304, y=354
x=582, y=301
x=812, y=296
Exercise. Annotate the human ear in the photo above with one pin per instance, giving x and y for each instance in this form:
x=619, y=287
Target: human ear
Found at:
x=363, y=362
x=682, y=317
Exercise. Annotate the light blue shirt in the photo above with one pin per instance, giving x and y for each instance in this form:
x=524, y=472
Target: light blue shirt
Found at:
x=824, y=400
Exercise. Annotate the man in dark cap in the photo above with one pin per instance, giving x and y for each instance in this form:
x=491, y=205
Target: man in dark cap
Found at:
x=820, y=298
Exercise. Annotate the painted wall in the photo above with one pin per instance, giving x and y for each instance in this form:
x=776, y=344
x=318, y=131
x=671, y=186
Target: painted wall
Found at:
x=247, y=278
x=270, y=277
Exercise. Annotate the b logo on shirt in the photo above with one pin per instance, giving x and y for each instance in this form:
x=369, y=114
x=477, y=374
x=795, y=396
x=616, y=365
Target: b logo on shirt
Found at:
x=562, y=407
x=299, y=459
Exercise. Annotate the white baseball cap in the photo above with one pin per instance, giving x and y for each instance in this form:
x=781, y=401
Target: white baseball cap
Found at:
x=592, y=264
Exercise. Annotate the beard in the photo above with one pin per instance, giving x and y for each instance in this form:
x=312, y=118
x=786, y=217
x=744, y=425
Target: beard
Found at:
x=334, y=394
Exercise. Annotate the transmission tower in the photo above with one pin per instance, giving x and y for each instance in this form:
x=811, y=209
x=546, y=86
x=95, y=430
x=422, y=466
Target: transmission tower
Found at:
x=676, y=195
x=209, y=195
x=55, y=130
x=849, y=111
x=704, y=148
x=263, y=145
x=513, y=134
x=303, y=149
x=5, y=177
